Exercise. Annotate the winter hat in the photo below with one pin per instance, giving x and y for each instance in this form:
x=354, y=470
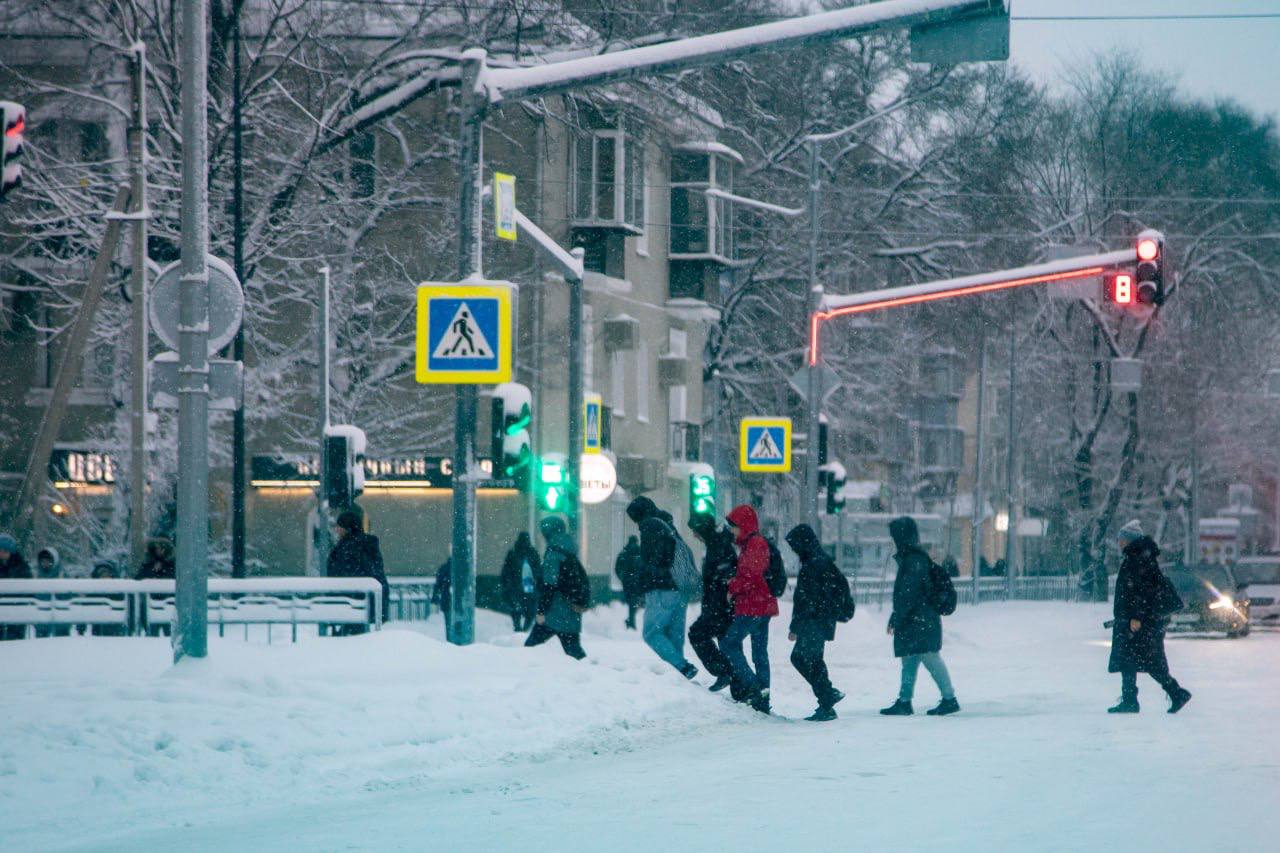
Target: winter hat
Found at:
x=8, y=543
x=640, y=509
x=1131, y=530
x=904, y=531
x=551, y=526
x=702, y=524
x=803, y=541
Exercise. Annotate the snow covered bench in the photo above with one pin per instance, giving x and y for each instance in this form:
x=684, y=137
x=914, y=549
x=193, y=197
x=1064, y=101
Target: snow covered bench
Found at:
x=137, y=605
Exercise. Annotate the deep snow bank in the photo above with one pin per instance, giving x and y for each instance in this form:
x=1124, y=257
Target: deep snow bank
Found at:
x=102, y=733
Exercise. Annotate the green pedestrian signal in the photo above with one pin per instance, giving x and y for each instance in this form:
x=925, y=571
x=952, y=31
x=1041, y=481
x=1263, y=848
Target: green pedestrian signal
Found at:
x=512, y=414
x=702, y=494
x=553, y=483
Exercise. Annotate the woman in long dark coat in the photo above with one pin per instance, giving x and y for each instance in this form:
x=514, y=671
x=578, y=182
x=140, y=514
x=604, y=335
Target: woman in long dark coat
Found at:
x=1143, y=601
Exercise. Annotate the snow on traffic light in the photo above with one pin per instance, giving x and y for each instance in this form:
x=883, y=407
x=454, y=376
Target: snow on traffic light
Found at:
x=13, y=119
x=1150, y=274
x=511, y=447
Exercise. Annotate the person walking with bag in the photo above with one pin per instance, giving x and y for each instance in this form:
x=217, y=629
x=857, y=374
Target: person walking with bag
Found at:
x=666, y=603
x=519, y=581
x=564, y=594
x=754, y=604
x=822, y=599
x=916, y=623
x=706, y=632
x=1143, y=602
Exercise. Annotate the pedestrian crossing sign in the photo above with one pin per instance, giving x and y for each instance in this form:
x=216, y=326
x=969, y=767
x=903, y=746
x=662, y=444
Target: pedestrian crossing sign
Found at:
x=765, y=445
x=464, y=333
x=593, y=425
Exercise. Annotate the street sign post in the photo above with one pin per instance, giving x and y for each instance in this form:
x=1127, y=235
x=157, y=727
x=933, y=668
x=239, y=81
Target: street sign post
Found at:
x=599, y=478
x=827, y=380
x=226, y=304
x=765, y=445
x=504, y=206
x=592, y=421
x=464, y=333
x=226, y=383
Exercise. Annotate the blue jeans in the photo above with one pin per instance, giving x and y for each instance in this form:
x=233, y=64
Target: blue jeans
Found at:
x=757, y=628
x=664, y=615
x=932, y=662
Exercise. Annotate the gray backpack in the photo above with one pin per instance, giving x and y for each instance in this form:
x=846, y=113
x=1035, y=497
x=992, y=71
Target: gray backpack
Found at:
x=684, y=569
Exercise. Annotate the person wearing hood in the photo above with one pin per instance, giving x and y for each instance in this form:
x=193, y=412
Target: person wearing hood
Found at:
x=628, y=567
x=718, y=566
x=665, y=609
x=48, y=567
x=1143, y=601
x=357, y=554
x=564, y=593
x=12, y=566
x=915, y=625
x=158, y=563
x=753, y=607
x=821, y=600
x=519, y=581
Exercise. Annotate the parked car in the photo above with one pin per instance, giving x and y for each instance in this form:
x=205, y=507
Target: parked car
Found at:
x=1213, y=600
x=1262, y=574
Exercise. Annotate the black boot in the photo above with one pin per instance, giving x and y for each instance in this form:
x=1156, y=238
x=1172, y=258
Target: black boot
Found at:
x=721, y=683
x=760, y=702
x=824, y=714
x=1178, y=698
x=833, y=698
x=901, y=708
x=1128, y=705
x=946, y=706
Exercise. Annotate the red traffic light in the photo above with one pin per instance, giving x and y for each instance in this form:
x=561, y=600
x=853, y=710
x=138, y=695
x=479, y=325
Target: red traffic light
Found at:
x=1122, y=289
x=1148, y=249
x=18, y=127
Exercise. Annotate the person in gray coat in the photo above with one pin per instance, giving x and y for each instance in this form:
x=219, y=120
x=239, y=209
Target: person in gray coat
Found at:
x=564, y=593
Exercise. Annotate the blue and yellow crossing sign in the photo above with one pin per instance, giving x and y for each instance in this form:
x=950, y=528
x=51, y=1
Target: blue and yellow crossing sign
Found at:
x=765, y=445
x=464, y=333
x=592, y=423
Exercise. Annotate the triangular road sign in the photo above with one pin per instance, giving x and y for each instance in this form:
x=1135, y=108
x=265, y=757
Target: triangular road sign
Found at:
x=765, y=448
x=464, y=339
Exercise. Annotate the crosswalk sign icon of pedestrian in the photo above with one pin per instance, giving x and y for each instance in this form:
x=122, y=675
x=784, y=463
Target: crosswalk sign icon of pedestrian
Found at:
x=464, y=333
x=765, y=445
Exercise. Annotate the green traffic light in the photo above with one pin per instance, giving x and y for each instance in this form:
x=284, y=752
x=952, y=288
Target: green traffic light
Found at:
x=520, y=423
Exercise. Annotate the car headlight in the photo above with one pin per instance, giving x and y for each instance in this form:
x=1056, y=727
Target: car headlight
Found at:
x=1222, y=603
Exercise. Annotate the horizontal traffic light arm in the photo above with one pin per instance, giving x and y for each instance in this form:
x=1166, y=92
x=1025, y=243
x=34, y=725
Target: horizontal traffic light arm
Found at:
x=1065, y=269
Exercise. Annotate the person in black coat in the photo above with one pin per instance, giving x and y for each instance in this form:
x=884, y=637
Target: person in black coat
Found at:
x=718, y=566
x=441, y=594
x=357, y=555
x=158, y=563
x=821, y=599
x=1143, y=601
x=628, y=567
x=519, y=581
x=12, y=566
x=915, y=625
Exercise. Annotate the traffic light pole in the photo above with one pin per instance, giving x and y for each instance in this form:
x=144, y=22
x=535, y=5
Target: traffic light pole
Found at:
x=814, y=401
x=323, y=540
x=138, y=308
x=573, y=463
x=978, y=496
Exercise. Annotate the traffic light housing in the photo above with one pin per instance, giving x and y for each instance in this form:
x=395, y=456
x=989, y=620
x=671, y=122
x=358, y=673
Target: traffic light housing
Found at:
x=344, y=447
x=511, y=448
x=13, y=120
x=702, y=493
x=1149, y=279
x=833, y=477
x=553, y=482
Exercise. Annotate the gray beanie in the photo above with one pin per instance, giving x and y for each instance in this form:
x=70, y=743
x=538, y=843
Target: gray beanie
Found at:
x=1131, y=530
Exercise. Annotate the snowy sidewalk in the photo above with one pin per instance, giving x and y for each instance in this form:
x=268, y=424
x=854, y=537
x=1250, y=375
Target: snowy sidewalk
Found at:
x=397, y=741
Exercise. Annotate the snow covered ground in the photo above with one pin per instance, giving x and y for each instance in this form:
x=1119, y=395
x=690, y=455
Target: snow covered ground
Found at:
x=399, y=741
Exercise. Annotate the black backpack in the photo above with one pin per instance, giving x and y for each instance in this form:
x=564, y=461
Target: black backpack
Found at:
x=1168, y=602
x=842, y=600
x=776, y=575
x=941, y=592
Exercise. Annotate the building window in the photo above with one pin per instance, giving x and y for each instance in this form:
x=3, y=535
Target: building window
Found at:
x=702, y=227
x=618, y=383
x=642, y=240
x=642, y=383
x=608, y=180
x=588, y=348
x=686, y=442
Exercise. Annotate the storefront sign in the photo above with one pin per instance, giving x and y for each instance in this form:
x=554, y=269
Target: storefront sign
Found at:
x=407, y=472
x=81, y=468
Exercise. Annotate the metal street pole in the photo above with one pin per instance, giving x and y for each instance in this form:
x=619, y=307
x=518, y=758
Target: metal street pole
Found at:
x=809, y=501
x=979, y=499
x=461, y=622
x=138, y=319
x=238, y=452
x=191, y=637
x=322, y=539
x=576, y=403
x=1011, y=478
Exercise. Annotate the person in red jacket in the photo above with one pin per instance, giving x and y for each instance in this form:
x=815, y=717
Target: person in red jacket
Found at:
x=753, y=606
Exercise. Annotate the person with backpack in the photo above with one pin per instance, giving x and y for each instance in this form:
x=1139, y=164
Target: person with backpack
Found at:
x=922, y=594
x=627, y=567
x=565, y=592
x=519, y=581
x=754, y=604
x=665, y=573
x=1144, y=600
x=706, y=632
x=822, y=599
